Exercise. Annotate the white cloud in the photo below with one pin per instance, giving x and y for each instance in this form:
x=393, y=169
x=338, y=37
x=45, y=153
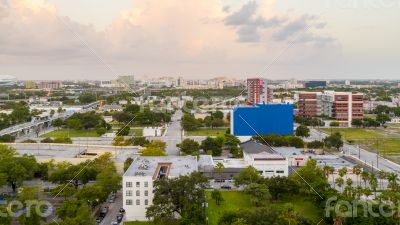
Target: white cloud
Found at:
x=190, y=38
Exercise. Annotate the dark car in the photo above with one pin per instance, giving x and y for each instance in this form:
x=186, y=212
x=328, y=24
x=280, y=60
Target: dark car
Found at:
x=119, y=218
x=122, y=210
x=99, y=219
x=104, y=211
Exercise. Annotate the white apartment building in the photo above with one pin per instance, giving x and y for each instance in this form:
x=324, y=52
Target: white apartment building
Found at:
x=138, y=181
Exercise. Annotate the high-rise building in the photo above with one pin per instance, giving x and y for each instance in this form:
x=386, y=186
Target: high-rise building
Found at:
x=126, y=81
x=49, y=85
x=341, y=106
x=258, y=91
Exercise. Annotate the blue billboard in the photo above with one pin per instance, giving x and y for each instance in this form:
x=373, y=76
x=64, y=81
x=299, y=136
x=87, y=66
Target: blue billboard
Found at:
x=262, y=119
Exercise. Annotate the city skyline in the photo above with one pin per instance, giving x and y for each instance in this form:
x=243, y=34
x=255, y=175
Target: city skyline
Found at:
x=57, y=39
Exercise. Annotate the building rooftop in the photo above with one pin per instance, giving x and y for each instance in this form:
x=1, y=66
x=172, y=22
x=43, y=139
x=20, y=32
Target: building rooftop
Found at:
x=289, y=151
x=253, y=147
x=331, y=160
x=149, y=166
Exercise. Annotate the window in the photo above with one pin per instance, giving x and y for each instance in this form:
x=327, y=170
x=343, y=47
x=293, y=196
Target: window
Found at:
x=137, y=193
x=146, y=193
x=137, y=184
x=137, y=202
x=129, y=202
x=146, y=202
x=280, y=171
x=128, y=193
x=128, y=184
x=146, y=184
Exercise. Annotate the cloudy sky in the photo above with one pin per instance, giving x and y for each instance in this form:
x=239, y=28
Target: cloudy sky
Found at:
x=101, y=39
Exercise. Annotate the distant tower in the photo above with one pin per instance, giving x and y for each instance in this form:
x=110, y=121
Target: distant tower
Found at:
x=258, y=91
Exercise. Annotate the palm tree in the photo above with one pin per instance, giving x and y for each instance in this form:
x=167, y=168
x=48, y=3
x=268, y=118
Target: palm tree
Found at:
x=357, y=171
x=331, y=170
x=289, y=213
x=359, y=190
x=349, y=183
x=339, y=181
x=392, y=178
x=382, y=176
x=219, y=168
x=326, y=170
x=373, y=182
x=365, y=177
x=342, y=172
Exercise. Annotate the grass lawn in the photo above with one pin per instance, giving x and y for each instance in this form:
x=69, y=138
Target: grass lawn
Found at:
x=236, y=200
x=136, y=131
x=138, y=223
x=353, y=133
x=387, y=141
x=70, y=133
x=206, y=132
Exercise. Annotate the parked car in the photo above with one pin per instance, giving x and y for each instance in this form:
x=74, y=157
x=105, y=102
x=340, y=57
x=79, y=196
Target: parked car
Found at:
x=99, y=219
x=104, y=211
x=122, y=210
x=226, y=187
x=119, y=218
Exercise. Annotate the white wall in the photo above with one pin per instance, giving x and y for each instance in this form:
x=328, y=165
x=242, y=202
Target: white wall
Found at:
x=136, y=212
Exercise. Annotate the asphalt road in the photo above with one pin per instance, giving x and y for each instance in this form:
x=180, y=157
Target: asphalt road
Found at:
x=113, y=210
x=173, y=134
x=365, y=156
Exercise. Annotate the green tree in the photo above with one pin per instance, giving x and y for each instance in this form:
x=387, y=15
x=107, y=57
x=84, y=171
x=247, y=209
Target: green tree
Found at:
x=189, y=123
x=357, y=122
x=280, y=186
x=171, y=198
x=151, y=151
x=74, y=124
x=101, y=130
x=247, y=176
x=86, y=98
x=302, y=131
x=212, y=145
x=334, y=141
x=65, y=191
x=334, y=124
x=315, y=144
x=6, y=218
x=189, y=146
x=140, y=141
x=259, y=194
x=127, y=163
x=123, y=131
x=217, y=196
x=94, y=195
x=58, y=123
x=52, y=112
x=311, y=179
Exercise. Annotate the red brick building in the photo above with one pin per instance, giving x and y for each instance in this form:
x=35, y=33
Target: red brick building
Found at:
x=341, y=106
